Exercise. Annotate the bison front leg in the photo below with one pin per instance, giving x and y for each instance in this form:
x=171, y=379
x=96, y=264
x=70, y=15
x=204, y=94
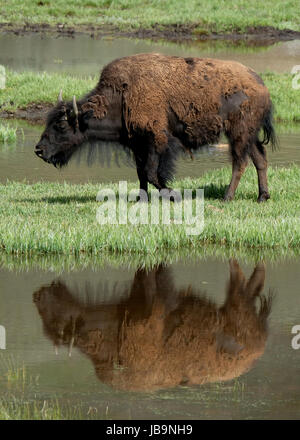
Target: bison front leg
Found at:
x=142, y=175
x=147, y=170
x=150, y=171
x=151, y=168
x=143, y=183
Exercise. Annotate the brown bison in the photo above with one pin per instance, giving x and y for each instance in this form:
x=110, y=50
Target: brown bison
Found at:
x=157, y=105
x=157, y=336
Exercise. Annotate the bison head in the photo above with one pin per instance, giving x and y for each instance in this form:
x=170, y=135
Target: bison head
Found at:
x=62, y=134
x=68, y=127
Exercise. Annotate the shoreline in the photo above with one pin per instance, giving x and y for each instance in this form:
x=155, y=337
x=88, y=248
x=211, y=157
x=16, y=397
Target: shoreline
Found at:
x=259, y=35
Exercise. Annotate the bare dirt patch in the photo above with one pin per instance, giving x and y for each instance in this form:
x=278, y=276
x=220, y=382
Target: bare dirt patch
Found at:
x=263, y=35
x=33, y=113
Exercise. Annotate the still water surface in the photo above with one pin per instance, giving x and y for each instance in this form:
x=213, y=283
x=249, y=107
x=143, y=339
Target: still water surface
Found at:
x=177, y=341
x=85, y=56
x=18, y=161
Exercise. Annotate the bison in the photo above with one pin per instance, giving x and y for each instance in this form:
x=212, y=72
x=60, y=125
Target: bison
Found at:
x=156, y=336
x=157, y=105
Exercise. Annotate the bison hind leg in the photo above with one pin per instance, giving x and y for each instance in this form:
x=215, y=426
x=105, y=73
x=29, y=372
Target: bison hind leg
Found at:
x=258, y=156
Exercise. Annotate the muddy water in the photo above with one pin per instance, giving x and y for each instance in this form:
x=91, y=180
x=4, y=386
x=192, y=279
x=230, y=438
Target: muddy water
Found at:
x=18, y=162
x=84, y=55
x=238, y=364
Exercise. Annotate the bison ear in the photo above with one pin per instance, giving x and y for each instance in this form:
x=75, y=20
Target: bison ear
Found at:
x=96, y=107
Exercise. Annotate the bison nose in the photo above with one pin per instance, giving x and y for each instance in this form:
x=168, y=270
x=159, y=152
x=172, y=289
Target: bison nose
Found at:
x=39, y=150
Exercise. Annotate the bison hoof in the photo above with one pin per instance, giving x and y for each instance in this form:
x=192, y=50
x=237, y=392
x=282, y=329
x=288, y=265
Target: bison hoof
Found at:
x=170, y=194
x=227, y=198
x=263, y=197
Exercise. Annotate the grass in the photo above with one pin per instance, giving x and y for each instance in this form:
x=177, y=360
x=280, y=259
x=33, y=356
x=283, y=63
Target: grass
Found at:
x=7, y=134
x=26, y=88
x=286, y=100
x=61, y=263
x=51, y=218
x=19, y=397
x=15, y=408
x=204, y=16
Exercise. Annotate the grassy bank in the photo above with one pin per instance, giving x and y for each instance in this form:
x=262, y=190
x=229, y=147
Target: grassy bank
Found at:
x=59, y=263
x=212, y=16
x=61, y=219
x=24, y=89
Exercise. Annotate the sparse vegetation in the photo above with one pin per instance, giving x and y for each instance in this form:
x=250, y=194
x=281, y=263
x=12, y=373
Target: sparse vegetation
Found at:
x=7, y=134
x=19, y=399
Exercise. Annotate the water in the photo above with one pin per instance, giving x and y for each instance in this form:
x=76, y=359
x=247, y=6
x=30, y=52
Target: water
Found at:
x=114, y=311
x=18, y=161
x=85, y=56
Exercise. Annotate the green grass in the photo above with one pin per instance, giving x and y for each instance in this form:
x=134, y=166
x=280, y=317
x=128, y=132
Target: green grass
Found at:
x=61, y=218
x=26, y=88
x=62, y=263
x=21, y=399
x=7, y=134
x=207, y=16
x=15, y=408
x=286, y=99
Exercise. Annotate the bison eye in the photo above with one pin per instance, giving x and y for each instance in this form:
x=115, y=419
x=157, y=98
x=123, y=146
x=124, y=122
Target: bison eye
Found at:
x=61, y=126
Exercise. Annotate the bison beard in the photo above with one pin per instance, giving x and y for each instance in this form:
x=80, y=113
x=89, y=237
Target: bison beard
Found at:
x=159, y=105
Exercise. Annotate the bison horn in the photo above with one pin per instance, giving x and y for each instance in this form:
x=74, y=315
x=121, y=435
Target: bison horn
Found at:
x=59, y=99
x=75, y=106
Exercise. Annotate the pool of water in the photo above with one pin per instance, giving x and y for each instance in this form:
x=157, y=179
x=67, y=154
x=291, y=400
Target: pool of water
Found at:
x=176, y=341
x=18, y=161
x=85, y=56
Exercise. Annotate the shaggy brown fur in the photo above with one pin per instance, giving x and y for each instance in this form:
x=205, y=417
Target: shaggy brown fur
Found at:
x=160, y=337
x=158, y=104
x=195, y=90
x=193, y=100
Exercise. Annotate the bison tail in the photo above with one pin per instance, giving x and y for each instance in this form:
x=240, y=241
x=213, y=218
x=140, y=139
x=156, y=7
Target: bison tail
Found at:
x=269, y=131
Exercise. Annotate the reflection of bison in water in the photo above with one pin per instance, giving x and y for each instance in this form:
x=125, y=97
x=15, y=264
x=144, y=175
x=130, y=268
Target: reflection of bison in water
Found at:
x=159, y=336
x=157, y=105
